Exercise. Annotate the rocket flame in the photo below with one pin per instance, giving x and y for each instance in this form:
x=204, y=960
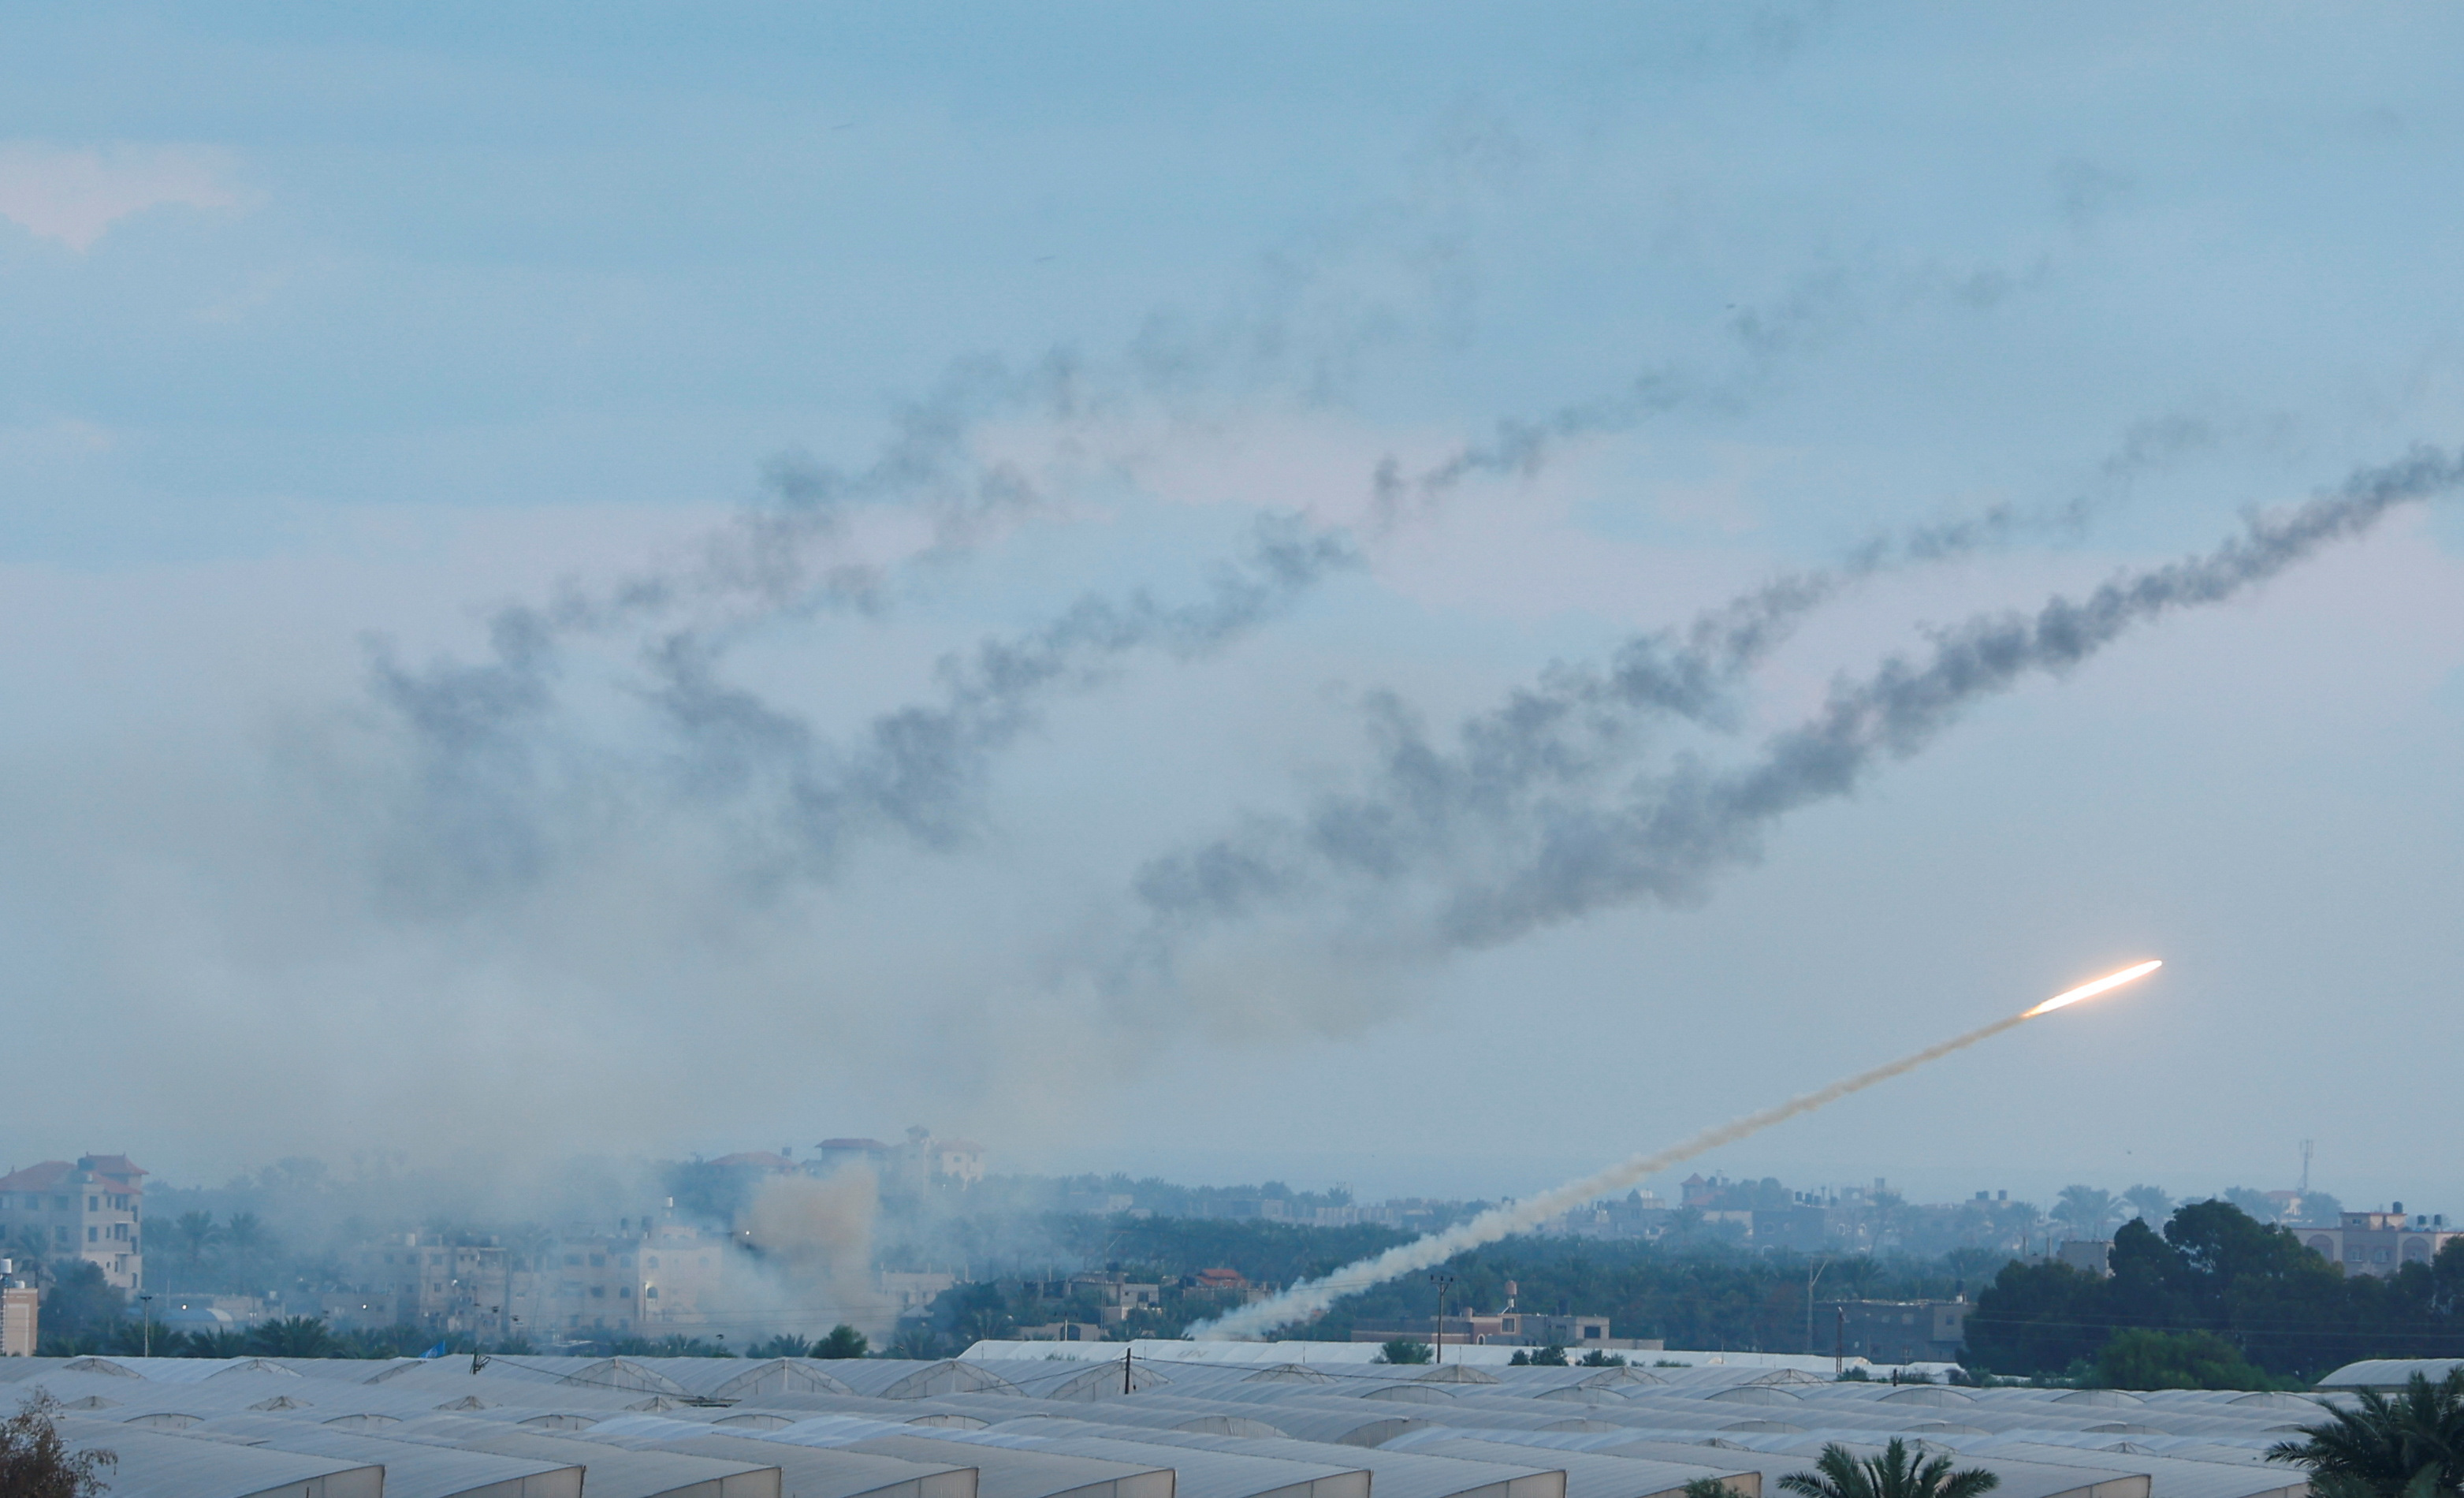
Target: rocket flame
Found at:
x=2109, y=980
x=1311, y=1297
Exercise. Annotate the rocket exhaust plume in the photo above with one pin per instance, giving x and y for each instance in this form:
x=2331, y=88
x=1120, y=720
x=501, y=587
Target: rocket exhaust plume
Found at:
x=1311, y=1298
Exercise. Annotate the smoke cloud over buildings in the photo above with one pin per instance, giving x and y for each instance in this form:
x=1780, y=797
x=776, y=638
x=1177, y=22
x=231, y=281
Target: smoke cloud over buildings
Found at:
x=1408, y=538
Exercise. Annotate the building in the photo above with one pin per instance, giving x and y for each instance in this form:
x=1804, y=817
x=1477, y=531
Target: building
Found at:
x=1506, y=1329
x=1117, y=1297
x=443, y=1283
x=20, y=1313
x=646, y=1279
x=917, y=1161
x=2379, y=1242
x=911, y=1292
x=90, y=1210
x=2087, y=1255
x=1892, y=1330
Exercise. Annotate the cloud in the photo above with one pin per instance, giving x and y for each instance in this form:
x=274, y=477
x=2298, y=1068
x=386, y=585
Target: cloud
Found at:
x=76, y=194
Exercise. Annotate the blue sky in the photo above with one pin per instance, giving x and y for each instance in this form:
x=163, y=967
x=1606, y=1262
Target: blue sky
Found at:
x=333, y=337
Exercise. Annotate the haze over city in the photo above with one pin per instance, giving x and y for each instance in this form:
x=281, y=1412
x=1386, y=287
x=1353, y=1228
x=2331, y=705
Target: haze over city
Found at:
x=1427, y=600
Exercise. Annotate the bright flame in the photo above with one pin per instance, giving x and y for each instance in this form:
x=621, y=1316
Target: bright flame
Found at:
x=2090, y=990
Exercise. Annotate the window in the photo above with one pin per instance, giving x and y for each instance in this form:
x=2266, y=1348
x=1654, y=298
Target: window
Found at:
x=599, y=1292
x=625, y=1293
x=93, y=1234
x=93, y=1204
x=573, y=1260
x=599, y=1261
x=626, y=1261
x=61, y=1203
x=650, y=1293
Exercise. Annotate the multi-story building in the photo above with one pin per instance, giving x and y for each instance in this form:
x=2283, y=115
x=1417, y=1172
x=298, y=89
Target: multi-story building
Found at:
x=1891, y=1330
x=647, y=1279
x=2379, y=1242
x=444, y=1283
x=917, y=1161
x=90, y=1210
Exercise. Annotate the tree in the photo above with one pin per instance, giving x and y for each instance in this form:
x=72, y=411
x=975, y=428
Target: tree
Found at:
x=1404, y=1351
x=2084, y=1210
x=195, y=1232
x=1897, y=1473
x=294, y=1337
x=844, y=1341
x=34, y=1462
x=1709, y=1488
x=2408, y=1447
x=1551, y=1356
x=2254, y=1202
x=2151, y=1202
x=2140, y=1358
x=81, y=1305
x=247, y=1234
x=1597, y=1358
x=786, y=1344
x=217, y=1343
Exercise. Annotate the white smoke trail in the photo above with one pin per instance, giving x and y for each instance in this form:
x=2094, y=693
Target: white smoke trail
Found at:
x=1313, y=1297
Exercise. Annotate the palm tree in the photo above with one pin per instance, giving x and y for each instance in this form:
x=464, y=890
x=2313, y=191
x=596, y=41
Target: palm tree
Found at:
x=293, y=1336
x=2151, y=1202
x=1899, y=1472
x=195, y=1232
x=246, y=1233
x=2407, y=1447
x=2084, y=1210
x=786, y=1344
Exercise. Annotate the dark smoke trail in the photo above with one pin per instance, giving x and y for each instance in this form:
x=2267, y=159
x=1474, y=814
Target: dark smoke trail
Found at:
x=1529, y=778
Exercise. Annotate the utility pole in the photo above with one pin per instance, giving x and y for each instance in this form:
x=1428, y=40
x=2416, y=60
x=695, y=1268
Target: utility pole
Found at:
x=146, y=1318
x=1812, y=1275
x=2306, y=1166
x=1125, y=1370
x=1441, y=1281
x=1839, y=1343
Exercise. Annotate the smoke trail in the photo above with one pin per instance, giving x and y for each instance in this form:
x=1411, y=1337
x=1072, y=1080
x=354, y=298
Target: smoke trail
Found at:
x=1514, y=829
x=1311, y=1298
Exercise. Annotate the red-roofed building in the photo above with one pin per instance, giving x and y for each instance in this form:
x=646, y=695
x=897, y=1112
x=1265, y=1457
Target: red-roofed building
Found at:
x=90, y=1210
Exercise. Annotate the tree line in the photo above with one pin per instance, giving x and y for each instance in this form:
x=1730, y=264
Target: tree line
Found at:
x=2216, y=1271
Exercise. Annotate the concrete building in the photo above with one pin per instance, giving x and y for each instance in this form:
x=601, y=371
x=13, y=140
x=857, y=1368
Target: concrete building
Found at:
x=2087, y=1255
x=647, y=1279
x=1115, y=1296
x=90, y=1210
x=443, y=1283
x=2379, y=1242
x=917, y=1161
x=1892, y=1330
x=20, y=1313
x=1506, y=1329
x=910, y=1291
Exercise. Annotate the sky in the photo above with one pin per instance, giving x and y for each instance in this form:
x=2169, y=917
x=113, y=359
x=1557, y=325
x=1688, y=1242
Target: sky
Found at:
x=1420, y=597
